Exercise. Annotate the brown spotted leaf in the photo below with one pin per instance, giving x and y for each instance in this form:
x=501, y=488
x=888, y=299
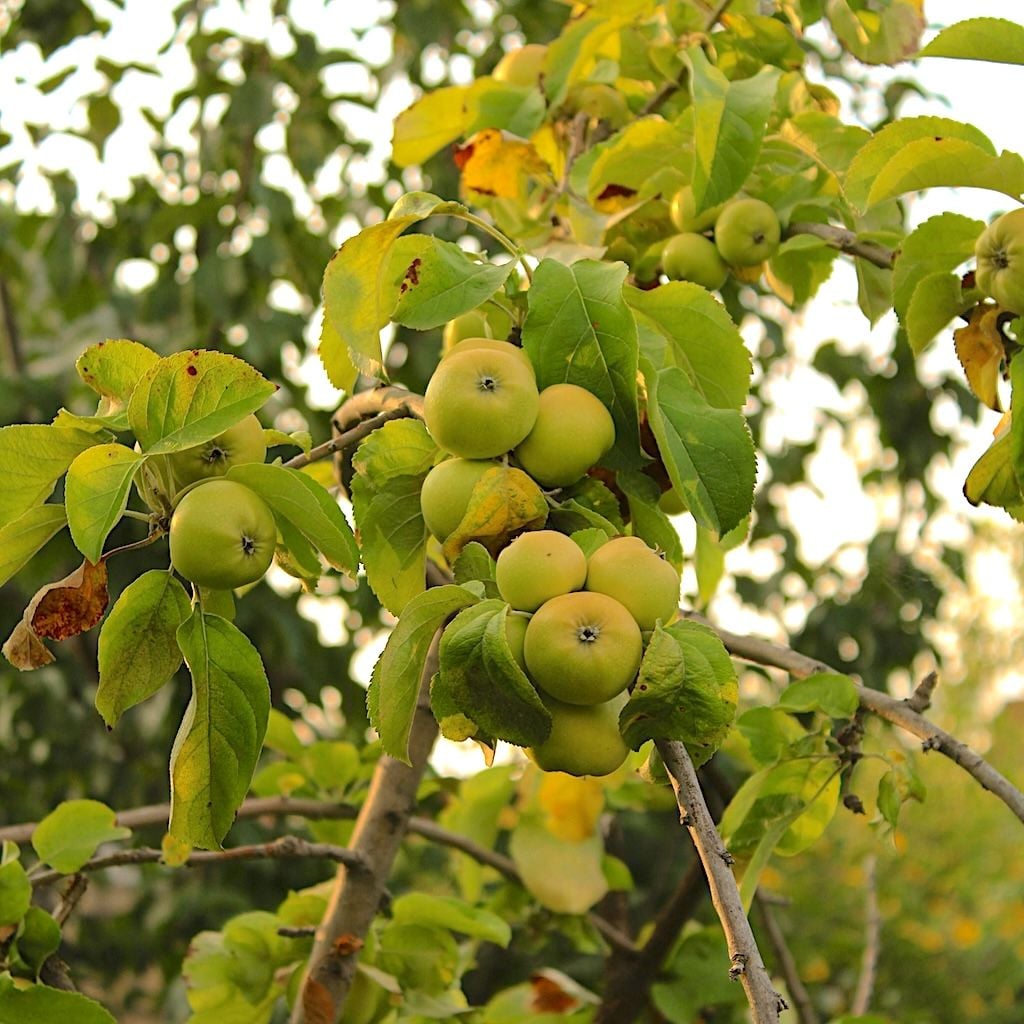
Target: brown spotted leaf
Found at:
x=504, y=502
x=979, y=347
x=549, y=996
x=24, y=650
x=72, y=605
x=495, y=163
x=317, y=1003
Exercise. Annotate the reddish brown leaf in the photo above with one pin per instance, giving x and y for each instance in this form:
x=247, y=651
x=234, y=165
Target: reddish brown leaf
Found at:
x=614, y=191
x=549, y=996
x=24, y=650
x=72, y=605
x=317, y=1003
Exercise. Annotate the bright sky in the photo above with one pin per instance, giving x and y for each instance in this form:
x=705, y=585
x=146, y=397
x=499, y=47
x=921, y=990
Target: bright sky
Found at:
x=831, y=512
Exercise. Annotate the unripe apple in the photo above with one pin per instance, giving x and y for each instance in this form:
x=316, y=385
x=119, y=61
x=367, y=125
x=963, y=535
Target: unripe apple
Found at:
x=1000, y=255
x=483, y=322
x=600, y=102
x=671, y=503
x=747, y=232
x=583, y=648
x=496, y=345
x=238, y=445
x=537, y=566
x=637, y=577
x=222, y=535
x=522, y=66
x=572, y=432
x=515, y=634
x=683, y=211
x=692, y=257
x=584, y=739
x=480, y=403
x=446, y=491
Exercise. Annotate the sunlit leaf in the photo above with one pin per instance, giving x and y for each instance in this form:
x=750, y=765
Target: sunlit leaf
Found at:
x=71, y=833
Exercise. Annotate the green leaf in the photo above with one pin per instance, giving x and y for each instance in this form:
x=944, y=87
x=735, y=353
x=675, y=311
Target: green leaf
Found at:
x=190, y=397
x=41, y=1004
x=802, y=264
x=709, y=453
x=628, y=160
x=219, y=740
x=395, y=683
x=475, y=564
x=649, y=522
x=937, y=299
x=96, y=493
x=437, y=281
x=579, y=330
x=33, y=457
x=832, y=694
x=940, y=244
x=447, y=912
x=482, y=681
x=298, y=498
x=874, y=35
x=769, y=732
x=889, y=800
x=390, y=466
x=1016, y=434
x=70, y=834
x=990, y=39
x=702, y=340
x=24, y=536
x=15, y=888
x=590, y=539
x=430, y=124
x=113, y=368
x=38, y=938
x=565, y=877
x=698, y=978
x=729, y=125
x=138, y=647
x=994, y=478
x=519, y=109
x=572, y=52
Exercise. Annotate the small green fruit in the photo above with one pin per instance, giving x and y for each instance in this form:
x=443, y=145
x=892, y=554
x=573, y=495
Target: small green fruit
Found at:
x=747, y=232
x=496, y=345
x=584, y=740
x=480, y=403
x=683, y=211
x=222, y=535
x=522, y=66
x=446, y=491
x=629, y=571
x=583, y=648
x=537, y=566
x=692, y=257
x=238, y=445
x=1000, y=255
x=572, y=432
x=671, y=503
x=483, y=322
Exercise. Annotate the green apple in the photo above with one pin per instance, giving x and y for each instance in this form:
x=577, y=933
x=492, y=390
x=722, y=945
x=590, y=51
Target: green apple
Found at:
x=515, y=633
x=222, y=535
x=538, y=566
x=600, y=102
x=683, y=211
x=483, y=322
x=446, y=491
x=692, y=257
x=572, y=432
x=522, y=66
x=671, y=503
x=637, y=577
x=747, y=232
x=238, y=445
x=584, y=739
x=480, y=403
x=1000, y=255
x=495, y=345
x=583, y=648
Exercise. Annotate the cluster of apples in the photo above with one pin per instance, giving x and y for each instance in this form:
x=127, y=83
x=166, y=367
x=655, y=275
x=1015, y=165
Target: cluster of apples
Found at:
x=222, y=534
x=576, y=625
x=576, y=630
x=999, y=252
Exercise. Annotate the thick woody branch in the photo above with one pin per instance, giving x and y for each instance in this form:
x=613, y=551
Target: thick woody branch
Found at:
x=805, y=1012
x=285, y=848
x=846, y=241
x=747, y=963
x=899, y=712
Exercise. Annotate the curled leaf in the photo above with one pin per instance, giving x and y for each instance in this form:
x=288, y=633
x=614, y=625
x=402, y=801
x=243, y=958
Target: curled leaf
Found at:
x=979, y=347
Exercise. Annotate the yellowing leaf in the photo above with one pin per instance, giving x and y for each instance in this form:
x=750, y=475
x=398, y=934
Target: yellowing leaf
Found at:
x=494, y=163
x=504, y=502
x=572, y=805
x=430, y=124
x=979, y=347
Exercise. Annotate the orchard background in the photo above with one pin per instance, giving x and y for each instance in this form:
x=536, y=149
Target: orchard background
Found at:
x=186, y=183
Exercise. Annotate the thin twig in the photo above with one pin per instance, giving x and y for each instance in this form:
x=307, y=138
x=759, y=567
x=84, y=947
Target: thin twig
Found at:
x=12, y=334
x=872, y=941
x=845, y=241
x=764, y=652
x=747, y=964
x=69, y=898
x=348, y=438
x=805, y=1012
x=285, y=848
x=921, y=699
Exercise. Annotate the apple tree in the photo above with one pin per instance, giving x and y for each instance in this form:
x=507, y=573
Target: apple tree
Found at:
x=558, y=329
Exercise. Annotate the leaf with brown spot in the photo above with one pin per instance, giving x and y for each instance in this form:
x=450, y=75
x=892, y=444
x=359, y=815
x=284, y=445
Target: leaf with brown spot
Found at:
x=504, y=502
x=72, y=605
x=317, y=1003
x=979, y=347
x=496, y=163
x=549, y=996
x=24, y=650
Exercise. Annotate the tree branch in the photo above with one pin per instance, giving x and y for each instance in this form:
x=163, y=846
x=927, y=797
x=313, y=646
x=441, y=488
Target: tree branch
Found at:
x=12, y=334
x=872, y=942
x=350, y=437
x=747, y=964
x=805, y=1012
x=285, y=848
x=898, y=712
x=845, y=241
x=629, y=980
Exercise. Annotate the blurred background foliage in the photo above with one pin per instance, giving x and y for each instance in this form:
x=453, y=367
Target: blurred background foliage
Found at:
x=180, y=173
